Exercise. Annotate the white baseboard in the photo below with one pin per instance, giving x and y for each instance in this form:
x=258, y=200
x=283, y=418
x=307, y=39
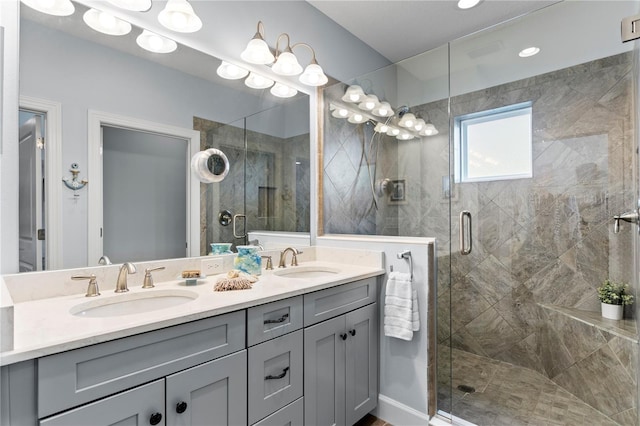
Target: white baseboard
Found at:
x=396, y=413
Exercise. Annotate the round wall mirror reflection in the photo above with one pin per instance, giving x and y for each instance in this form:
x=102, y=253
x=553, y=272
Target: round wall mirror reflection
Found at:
x=211, y=165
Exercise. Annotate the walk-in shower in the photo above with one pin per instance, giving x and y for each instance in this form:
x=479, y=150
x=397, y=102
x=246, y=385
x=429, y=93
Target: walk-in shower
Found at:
x=520, y=339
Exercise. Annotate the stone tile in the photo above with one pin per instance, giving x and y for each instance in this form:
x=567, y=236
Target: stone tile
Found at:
x=608, y=381
x=491, y=279
x=580, y=339
x=468, y=303
x=555, y=357
x=520, y=309
x=492, y=332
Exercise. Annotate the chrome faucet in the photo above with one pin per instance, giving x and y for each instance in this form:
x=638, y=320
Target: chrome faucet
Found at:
x=294, y=259
x=121, y=284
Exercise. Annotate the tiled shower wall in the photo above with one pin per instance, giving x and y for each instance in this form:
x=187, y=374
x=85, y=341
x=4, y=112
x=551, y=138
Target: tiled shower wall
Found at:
x=541, y=241
x=281, y=164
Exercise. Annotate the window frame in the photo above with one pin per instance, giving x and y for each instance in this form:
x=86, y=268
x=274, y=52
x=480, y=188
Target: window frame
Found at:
x=462, y=122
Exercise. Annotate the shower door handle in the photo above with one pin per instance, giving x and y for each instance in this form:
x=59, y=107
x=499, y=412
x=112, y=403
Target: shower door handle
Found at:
x=465, y=217
x=235, y=220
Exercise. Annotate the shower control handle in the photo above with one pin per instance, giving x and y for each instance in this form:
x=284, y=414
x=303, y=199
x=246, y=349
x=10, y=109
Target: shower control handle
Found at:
x=631, y=217
x=465, y=217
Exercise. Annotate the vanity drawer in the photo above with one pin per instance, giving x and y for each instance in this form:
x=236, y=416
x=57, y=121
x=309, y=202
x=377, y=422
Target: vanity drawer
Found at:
x=82, y=375
x=291, y=415
x=275, y=374
x=273, y=319
x=324, y=304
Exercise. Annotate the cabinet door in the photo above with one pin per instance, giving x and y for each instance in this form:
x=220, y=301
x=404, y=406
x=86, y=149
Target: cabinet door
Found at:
x=140, y=406
x=213, y=393
x=362, y=362
x=324, y=373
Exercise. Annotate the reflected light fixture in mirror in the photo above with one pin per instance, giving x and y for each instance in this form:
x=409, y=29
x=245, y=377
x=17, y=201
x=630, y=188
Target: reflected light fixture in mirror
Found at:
x=155, y=43
x=256, y=81
x=338, y=112
x=354, y=94
x=133, y=5
x=467, y=4
x=369, y=103
x=408, y=120
x=357, y=118
x=178, y=15
x=283, y=91
x=106, y=23
x=52, y=7
x=231, y=71
x=529, y=51
x=383, y=109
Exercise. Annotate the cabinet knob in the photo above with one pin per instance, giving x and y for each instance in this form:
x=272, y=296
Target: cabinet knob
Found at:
x=352, y=332
x=343, y=336
x=155, y=419
x=181, y=407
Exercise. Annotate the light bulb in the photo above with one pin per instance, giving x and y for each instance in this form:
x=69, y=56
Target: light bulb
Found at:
x=106, y=20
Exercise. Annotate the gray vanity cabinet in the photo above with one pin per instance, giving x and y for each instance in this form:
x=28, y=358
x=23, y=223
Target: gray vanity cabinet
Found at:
x=214, y=393
x=136, y=407
x=341, y=363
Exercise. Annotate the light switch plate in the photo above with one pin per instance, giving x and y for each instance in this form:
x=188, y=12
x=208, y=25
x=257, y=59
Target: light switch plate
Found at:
x=212, y=266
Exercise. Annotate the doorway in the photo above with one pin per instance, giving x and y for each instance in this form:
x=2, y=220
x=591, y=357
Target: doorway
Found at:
x=138, y=171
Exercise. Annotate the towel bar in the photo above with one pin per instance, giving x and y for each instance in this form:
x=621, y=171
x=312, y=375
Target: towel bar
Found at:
x=406, y=254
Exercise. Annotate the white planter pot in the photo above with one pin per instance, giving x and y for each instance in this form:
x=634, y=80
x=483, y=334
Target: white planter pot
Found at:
x=613, y=312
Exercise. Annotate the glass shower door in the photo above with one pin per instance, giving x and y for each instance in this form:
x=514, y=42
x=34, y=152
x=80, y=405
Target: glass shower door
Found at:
x=543, y=155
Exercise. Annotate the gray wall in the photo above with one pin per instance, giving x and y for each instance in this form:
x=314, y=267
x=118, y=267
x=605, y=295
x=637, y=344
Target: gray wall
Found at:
x=144, y=195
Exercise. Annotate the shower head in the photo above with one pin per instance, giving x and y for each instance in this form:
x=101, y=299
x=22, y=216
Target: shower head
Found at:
x=402, y=111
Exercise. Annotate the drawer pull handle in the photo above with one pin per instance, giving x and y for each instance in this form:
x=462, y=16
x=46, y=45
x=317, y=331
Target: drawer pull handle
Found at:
x=181, y=407
x=277, y=321
x=279, y=376
x=155, y=418
x=343, y=336
x=352, y=332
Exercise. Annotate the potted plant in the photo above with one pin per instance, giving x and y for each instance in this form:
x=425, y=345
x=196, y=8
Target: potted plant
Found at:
x=613, y=296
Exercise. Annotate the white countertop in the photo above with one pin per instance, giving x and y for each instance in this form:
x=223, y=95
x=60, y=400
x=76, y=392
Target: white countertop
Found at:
x=46, y=326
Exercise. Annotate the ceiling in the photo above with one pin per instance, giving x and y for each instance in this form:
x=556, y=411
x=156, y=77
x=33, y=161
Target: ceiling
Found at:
x=399, y=29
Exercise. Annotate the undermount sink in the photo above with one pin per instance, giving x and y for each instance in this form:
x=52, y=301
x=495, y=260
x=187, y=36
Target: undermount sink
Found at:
x=132, y=303
x=306, y=272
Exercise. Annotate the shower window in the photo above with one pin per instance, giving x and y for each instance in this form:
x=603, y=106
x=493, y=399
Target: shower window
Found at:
x=494, y=144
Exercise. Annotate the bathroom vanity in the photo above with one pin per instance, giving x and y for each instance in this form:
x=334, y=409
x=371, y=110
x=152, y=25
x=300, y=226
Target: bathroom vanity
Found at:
x=295, y=349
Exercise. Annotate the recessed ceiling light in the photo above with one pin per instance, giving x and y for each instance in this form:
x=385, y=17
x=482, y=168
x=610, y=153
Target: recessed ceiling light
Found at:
x=529, y=51
x=467, y=4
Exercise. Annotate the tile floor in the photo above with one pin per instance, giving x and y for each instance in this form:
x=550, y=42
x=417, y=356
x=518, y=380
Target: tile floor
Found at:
x=510, y=395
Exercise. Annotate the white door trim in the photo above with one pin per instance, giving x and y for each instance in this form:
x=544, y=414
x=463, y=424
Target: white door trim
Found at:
x=96, y=119
x=53, y=175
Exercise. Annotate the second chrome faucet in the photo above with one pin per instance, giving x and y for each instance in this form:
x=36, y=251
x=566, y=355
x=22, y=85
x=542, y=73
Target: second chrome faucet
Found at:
x=294, y=257
x=125, y=269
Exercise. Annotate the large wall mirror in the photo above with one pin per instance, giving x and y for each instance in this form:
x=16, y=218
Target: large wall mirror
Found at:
x=82, y=86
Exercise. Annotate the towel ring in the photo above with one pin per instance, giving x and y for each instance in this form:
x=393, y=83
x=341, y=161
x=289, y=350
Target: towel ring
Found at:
x=406, y=254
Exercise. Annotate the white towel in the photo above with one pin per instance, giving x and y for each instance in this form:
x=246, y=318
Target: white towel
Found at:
x=401, y=317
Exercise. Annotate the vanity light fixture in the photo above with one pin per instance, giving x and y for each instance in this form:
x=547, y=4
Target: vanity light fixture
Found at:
x=256, y=81
x=354, y=94
x=283, y=91
x=231, y=71
x=155, y=43
x=286, y=62
x=52, y=7
x=419, y=124
x=529, y=51
x=178, y=15
x=257, y=50
x=133, y=5
x=106, y=23
x=467, y=4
